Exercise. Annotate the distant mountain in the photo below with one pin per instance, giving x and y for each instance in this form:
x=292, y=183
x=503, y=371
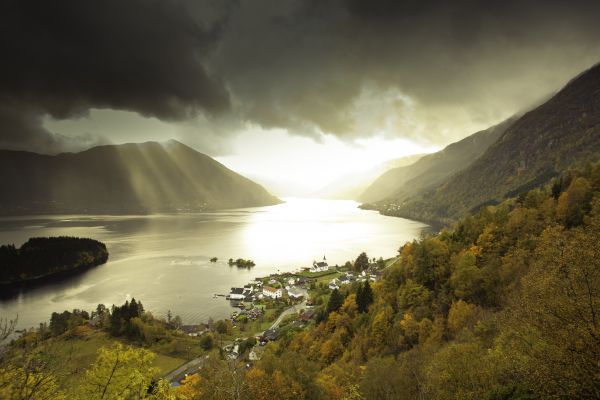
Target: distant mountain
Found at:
x=351, y=186
x=128, y=178
x=400, y=183
x=561, y=133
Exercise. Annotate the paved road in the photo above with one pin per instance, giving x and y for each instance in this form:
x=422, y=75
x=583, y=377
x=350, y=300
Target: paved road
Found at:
x=288, y=311
x=193, y=365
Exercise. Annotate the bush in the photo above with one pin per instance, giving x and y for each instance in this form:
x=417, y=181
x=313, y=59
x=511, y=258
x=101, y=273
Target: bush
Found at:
x=207, y=341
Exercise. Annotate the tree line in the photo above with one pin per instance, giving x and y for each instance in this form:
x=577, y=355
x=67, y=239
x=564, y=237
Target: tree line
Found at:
x=40, y=257
x=503, y=305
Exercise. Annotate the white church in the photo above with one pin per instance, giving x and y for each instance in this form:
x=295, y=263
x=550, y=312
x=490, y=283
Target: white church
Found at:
x=320, y=266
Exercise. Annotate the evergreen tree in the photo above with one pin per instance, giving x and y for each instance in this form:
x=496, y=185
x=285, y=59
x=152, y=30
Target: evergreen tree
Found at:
x=368, y=293
x=364, y=297
x=556, y=188
x=335, y=301
x=360, y=298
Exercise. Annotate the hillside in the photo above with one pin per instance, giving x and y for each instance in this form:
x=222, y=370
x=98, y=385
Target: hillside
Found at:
x=485, y=310
x=128, y=178
x=431, y=169
x=561, y=133
x=351, y=186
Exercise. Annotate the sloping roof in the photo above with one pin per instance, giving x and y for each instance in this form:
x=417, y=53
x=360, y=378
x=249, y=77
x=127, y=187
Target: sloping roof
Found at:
x=270, y=289
x=308, y=314
x=270, y=334
x=237, y=290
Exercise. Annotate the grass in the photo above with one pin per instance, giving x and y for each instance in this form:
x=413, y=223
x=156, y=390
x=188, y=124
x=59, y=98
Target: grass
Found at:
x=318, y=274
x=167, y=364
x=78, y=353
x=327, y=278
x=391, y=261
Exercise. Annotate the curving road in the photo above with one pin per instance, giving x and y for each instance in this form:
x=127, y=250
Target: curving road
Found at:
x=195, y=364
x=192, y=365
x=288, y=311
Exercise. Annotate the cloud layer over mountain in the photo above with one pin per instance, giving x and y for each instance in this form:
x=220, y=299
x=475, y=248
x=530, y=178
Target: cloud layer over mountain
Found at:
x=426, y=70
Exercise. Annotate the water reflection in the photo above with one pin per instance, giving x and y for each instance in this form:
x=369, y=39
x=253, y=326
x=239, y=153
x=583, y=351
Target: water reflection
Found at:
x=164, y=259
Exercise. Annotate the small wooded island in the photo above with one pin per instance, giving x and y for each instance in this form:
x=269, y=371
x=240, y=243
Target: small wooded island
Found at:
x=43, y=257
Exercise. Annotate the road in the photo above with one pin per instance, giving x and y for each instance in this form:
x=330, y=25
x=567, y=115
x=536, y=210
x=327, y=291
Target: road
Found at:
x=190, y=366
x=286, y=312
x=193, y=365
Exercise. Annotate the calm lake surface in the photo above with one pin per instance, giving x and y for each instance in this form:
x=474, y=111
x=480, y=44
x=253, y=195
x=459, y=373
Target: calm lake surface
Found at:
x=163, y=260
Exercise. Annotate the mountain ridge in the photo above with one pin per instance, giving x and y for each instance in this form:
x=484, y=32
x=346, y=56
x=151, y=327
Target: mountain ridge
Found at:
x=126, y=178
x=433, y=168
x=351, y=186
x=562, y=133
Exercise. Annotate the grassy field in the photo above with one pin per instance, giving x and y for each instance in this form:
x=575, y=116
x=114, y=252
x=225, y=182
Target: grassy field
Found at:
x=80, y=352
x=318, y=274
x=325, y=279
x=391, y=261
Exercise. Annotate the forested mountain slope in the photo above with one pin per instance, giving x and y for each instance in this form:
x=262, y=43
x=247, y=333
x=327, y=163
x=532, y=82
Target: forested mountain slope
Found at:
x=563, y=132
x=431, y=169
x=486, y=310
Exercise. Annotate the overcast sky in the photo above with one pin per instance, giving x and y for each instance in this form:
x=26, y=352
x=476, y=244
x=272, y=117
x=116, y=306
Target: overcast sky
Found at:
x=291, y=93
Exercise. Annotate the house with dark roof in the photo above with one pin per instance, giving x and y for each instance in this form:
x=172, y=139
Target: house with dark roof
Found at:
x=307, y=315
x=237, y=294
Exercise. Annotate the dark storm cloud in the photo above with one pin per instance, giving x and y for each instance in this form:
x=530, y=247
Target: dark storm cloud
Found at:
x=62, y=58
x=422, y=70
x=303, y=64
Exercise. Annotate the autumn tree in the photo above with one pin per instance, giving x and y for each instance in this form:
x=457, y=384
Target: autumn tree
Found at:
x=218, y=380
x=466, y=278
x=122, y=373
x=574, y=203
x=556, y=314
x=32, y=374
x=265, y=386
x=386, y=379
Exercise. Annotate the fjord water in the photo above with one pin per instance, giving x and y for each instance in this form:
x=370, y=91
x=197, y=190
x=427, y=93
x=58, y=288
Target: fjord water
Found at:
x=163, y=260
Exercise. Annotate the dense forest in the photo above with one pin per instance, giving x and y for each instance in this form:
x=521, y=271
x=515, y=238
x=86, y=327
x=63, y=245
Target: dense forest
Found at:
x=41, y=257
x=503, y=306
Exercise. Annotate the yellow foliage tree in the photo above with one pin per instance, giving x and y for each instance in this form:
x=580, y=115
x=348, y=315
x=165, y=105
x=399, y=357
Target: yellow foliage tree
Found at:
x=572, y=203
x=461, y=315
x=264, y=386
x=122, y=373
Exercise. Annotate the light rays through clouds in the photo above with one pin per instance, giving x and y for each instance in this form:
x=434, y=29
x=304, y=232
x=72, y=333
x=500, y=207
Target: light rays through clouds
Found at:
x=317, y=87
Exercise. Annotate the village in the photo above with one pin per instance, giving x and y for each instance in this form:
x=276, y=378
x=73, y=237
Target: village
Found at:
x=274, y=306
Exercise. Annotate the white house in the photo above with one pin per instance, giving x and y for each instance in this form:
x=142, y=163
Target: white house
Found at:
x=333, y=284
x=274, y=293
x=295, y=293
x=255, y=354
x=236, y=294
